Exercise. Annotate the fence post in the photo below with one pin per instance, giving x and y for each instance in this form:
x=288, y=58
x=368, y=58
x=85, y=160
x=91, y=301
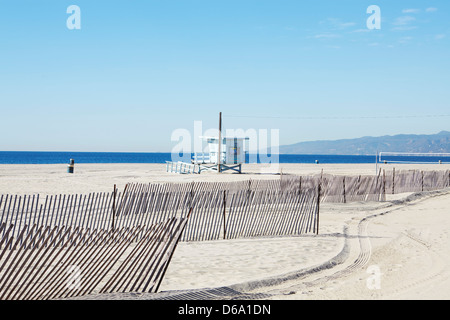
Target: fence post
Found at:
x=300, y=185
x=114, y=206
x=224, y=208
x=281, y=180
x=343, y=181
x=249, y=189
x=422, y=180
x=393, y=181
x=384, y=185
x=299, y=189
x=318, y=206
x=191, y=195
x=448, y=178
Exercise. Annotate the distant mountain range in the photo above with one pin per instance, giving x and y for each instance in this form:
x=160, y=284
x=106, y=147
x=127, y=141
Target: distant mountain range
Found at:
x=435, y=143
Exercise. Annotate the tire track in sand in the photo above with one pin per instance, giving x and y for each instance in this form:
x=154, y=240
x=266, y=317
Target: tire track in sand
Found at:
x=316, y=279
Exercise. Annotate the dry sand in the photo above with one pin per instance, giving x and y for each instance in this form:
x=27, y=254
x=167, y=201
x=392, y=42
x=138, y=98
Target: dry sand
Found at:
x=54, y=179
x=398, y=249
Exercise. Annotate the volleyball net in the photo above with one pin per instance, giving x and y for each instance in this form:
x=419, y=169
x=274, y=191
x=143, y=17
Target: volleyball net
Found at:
x=411, y=157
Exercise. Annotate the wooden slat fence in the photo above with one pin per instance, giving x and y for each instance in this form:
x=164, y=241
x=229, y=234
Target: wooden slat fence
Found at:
x=286, y=213
x=220, y=209
x=46, y=262
x=212, y=206
x=340, y=189
x=368, y=188
x=416, y=180
x=123, y=241
x=215, y=207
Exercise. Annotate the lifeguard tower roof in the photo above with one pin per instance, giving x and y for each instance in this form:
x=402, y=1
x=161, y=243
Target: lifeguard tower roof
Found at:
x=215, y=138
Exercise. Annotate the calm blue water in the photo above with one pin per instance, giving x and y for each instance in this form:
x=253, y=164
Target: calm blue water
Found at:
x=24, y=157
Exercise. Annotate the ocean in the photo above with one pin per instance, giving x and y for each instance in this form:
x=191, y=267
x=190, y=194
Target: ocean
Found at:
x=35, y=157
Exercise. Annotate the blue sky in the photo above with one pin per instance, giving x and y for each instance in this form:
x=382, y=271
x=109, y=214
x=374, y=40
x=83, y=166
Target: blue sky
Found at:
x=138, y=70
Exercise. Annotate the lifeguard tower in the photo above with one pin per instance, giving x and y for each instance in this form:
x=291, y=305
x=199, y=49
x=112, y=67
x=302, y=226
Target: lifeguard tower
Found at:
x=230, y=157
x=225, y=153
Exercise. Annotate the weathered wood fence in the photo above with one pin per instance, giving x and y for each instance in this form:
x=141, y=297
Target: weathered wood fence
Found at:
x=219, y=210
x=368, y=188
x=415, y=180
x=46, y=262
x=70, y=245
x=338, y=188
x=73, y=245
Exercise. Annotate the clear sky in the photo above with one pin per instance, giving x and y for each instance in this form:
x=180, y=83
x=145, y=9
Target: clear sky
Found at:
x=138, y=70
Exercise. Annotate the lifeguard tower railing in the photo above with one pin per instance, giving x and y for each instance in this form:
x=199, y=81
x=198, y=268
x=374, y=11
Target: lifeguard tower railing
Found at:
x=182, y=167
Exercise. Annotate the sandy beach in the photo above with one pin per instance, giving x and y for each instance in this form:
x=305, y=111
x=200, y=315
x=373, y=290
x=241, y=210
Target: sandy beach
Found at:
x=397, y=249
x=54, y=179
